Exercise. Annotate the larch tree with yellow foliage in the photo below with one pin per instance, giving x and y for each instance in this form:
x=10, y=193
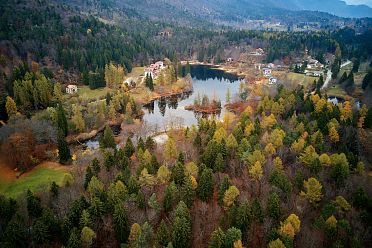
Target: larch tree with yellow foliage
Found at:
x=313, y=191
x=276, y=244
x=333, y=135
x=270, y=149
x=230, y=196
x=346, y=111
x=170, y=149
x=10, y=106
x=298, y=145
x=268, y=121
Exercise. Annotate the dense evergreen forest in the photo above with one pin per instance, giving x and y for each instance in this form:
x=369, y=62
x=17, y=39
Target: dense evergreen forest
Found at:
x=289, y=170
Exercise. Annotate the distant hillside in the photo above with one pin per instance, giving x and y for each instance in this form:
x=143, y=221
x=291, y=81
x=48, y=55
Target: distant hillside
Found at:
x=335, y=7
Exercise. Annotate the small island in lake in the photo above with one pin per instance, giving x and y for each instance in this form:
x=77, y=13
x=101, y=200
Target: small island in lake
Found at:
x=205, y=105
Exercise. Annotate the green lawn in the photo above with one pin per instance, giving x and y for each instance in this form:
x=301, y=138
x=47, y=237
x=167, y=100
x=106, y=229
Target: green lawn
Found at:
x=87, y=94
x=301, y=78
x=37, y=180
x=336, y=91
x=136, y=72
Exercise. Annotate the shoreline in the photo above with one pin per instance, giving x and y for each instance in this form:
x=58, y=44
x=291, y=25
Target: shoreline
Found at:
x=220, y=67
x=206, y=110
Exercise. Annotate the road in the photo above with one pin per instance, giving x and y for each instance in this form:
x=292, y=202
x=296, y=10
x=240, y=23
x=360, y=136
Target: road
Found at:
x=329, y=74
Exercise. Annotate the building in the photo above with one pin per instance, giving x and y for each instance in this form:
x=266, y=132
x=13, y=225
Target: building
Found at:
x=266, y=72
x=166, y=32
x=150, y=72
x=273, y=80
x=313, y=73
x=160, y=65
x=71, y=89
x=230, y=60
x=154, y=69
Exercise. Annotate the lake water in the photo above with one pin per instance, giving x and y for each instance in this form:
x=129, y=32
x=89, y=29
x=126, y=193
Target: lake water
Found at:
x=170, y=111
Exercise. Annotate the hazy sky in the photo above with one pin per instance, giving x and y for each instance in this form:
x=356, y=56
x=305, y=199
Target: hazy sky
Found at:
x=367, y=2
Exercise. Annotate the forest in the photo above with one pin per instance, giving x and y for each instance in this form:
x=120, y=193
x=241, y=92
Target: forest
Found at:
x=290, y=169
x=274, y=176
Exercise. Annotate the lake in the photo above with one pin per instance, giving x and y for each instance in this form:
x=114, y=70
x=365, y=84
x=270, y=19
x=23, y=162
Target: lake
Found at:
x=170, y=111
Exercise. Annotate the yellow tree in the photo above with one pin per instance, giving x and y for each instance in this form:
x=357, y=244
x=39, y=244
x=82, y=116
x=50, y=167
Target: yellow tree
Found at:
x=332, y=222
x=320, y=105
x=220, y=134
x=268, y=121
x=112, y=112
x=278, y=164
x=77, y=118
x=231, y=143
x=135, y=232
x=230, y=195
x=191, y=169
x=248, y=129
x=256, y=172
x=10, y=106
x=163, y=174
x=276, y=137
x=308, y=156
x=276, y=244
x=238, y=244
x=298, y=145
x=325, y=160
x=146, y=179
x=346, y=111
x=57, y=91
x=342, y=204
x=313, y=190
x=286, y=229
x=295, y=222
x=170, y=149
x=270, y=149
x=333, y=135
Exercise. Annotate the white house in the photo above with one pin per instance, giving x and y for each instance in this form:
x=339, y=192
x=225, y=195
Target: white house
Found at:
x=266, y=72
x=150, y=72
x=230, y=60
x=71, y=89
x=273, y=80
x=160, y=65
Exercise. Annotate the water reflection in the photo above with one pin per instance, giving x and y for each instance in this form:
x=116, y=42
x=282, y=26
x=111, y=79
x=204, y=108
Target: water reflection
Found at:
x=167, y=111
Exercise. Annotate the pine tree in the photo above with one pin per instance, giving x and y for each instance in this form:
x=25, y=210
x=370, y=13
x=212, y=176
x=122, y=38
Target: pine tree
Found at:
x=367, y=80
x=257, y=213
x=121, y=224
x=232, y=234
x=187, y=191
x=219, y=164
x=107, y=140
x=54, y=189
x=223, y=187
x=162, y=234
x=206, y=185
x=243, y=216
x=129, y=148
x=61, y=120
x=64, y=154
x=168, y=199
x=181, y=235
x=273, y=206
x=74, y=239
